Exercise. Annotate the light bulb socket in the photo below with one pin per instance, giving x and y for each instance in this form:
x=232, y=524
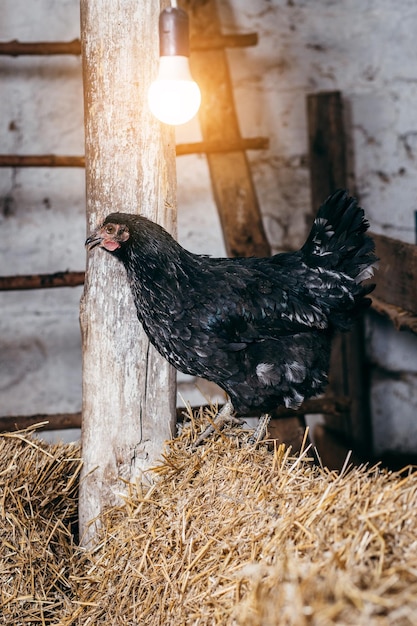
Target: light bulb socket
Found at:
x=174, y=37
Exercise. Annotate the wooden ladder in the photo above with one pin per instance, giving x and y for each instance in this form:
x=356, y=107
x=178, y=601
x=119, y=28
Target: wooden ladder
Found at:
x=222, y=143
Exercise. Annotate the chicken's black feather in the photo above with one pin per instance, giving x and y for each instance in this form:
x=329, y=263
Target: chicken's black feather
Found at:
x=260, y=328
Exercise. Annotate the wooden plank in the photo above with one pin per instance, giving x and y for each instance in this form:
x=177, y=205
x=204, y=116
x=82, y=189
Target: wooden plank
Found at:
x=231, y=178
x=348, y=373
x=128, y=388
x=396, y=277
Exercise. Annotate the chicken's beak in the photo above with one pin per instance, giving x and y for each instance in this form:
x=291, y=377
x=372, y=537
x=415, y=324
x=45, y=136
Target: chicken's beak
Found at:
x=93, y=240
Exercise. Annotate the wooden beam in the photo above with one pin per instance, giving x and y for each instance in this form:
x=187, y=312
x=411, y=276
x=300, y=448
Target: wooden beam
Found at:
x=128, y=388
x=232, y=183
x=41, y=281
x=348, y=373
x=47, y=48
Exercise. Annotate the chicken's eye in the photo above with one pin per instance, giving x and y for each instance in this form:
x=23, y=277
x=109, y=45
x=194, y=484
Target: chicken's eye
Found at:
x=110, y=229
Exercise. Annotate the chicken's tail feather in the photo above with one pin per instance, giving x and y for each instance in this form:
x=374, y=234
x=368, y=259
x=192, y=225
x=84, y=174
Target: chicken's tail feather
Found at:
x=338, y=239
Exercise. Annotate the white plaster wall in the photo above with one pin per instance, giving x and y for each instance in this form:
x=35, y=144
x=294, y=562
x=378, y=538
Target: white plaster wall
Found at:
x=365, y=48
x=41, y=212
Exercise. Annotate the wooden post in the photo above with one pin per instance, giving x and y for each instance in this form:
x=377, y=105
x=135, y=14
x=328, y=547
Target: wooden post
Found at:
x=327, y=150
x=128, y=389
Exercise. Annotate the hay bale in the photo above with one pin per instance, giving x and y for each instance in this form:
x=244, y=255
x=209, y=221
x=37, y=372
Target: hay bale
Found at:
x=38, y=511
x=236, y=535
x=230, y=534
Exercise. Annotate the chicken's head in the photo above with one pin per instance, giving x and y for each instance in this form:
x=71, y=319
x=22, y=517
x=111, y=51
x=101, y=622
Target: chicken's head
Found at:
x=110, y=235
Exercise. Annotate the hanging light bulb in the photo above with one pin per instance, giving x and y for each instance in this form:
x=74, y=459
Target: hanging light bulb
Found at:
x=174, y=98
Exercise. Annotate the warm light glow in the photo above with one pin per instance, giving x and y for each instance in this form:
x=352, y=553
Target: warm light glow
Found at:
x=174, y=98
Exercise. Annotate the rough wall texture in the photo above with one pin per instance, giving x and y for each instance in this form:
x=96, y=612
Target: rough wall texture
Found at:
x=365, y=48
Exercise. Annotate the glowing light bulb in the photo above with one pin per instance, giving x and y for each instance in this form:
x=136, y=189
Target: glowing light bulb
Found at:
x=174, y=97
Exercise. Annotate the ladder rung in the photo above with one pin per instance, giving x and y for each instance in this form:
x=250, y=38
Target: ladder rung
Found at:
x=16, y=48
x=217, y=42
x=208, y=147
x=41, y=281
x=202, y=147
x=40, y=160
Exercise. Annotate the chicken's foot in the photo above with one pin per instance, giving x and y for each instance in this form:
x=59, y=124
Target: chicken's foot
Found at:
x=224, y=416
x=260, y=431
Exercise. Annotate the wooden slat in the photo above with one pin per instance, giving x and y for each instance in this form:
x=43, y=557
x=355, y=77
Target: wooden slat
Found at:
x=46, y=48
x=348, y=374
x=232, y=183
x=41, y=281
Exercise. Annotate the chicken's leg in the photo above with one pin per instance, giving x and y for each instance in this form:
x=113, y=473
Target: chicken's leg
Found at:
x=261, y=429
x=224, y=416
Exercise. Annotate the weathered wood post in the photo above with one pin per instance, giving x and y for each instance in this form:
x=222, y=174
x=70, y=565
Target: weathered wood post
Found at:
x=347, y=375
x=128, y=389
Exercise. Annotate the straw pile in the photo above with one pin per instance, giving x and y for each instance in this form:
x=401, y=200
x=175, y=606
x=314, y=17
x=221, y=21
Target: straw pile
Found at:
x=228, y=534
x=38, y=512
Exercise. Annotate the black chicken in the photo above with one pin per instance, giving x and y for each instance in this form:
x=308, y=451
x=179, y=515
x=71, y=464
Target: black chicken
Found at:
x=260, y=328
